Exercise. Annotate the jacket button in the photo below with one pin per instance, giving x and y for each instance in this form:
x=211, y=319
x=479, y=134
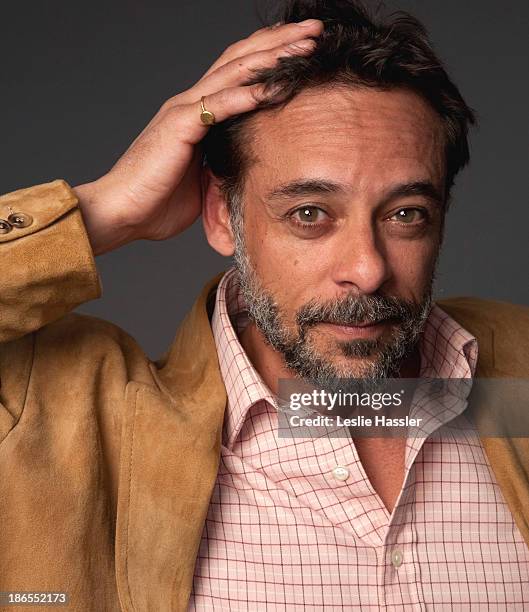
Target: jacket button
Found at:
x=20, y=219
x=5, y=226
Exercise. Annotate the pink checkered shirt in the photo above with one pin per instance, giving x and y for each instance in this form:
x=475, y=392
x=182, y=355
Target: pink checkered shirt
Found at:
x=282, y=533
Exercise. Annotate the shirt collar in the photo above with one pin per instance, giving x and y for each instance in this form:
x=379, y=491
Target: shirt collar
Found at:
x=244, y=385
x=447, y=350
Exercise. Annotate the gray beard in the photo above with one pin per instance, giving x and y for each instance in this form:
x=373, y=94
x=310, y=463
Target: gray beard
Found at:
x=303, y=359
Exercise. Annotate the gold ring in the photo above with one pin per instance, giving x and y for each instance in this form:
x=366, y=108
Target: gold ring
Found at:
x=207, y=117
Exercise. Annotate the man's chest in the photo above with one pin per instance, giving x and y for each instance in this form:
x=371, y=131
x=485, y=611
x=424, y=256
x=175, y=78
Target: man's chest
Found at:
x=382, y=460
x=282, y=527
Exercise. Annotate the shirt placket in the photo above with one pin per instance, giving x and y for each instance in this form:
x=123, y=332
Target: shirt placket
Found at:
x=350, y=501
x=399, y=567
x=400, y=572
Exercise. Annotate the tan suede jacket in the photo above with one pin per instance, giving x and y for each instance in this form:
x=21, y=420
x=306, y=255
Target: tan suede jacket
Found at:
x=107, y=459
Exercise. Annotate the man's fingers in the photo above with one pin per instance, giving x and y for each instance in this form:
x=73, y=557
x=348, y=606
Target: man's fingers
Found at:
x=266, y=29
x=239, y=71
x=223, y=104
x=268, y=38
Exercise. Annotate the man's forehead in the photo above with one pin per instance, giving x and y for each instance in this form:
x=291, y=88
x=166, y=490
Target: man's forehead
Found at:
x=360, y=121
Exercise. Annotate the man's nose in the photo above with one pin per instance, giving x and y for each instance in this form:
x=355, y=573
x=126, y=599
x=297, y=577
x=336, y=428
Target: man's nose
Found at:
x=361, y=261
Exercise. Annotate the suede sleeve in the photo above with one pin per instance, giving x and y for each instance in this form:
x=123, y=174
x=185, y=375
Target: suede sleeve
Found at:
x=47, y=266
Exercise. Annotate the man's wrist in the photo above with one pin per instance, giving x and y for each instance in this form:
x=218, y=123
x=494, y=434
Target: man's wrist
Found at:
x=104, y=230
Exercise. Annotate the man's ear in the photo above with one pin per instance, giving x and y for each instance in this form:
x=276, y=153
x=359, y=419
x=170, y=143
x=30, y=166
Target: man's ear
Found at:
x=215, y=215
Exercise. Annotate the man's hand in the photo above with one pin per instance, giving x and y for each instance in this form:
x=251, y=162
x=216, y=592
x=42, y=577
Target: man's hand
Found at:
x=154, y=190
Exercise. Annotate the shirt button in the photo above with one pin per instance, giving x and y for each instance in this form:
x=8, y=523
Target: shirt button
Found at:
x=396, y=558
x=340, y=472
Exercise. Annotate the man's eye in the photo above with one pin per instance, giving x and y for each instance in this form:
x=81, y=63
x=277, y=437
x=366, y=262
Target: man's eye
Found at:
x=409, y=215
x=308, y=215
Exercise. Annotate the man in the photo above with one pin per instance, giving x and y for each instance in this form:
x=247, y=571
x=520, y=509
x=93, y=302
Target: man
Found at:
x=331, y=145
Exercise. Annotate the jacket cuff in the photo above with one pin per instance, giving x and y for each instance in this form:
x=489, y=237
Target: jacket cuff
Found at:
x=48, y=266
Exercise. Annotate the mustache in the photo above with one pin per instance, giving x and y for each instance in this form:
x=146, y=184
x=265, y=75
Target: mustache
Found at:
x=354, y=310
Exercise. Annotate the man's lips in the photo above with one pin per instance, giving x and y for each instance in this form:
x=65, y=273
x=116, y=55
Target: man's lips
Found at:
x=367, y=324
x=359, y=330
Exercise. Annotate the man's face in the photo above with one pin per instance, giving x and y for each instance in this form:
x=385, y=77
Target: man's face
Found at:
x=342, y=209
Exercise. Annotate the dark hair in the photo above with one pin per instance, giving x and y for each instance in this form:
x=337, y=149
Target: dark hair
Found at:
x=357, y=50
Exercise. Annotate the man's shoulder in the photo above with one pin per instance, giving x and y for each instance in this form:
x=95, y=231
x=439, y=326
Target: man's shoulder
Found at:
x=87, y=343
x=76, y=328
x=505, y=325
x=503, y=316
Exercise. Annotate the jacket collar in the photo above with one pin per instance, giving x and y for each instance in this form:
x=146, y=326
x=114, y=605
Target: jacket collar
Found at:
x=170, y=453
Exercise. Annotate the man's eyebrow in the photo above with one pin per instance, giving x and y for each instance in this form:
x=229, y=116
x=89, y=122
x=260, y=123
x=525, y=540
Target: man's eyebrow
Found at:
x=417, y=188
x=307, y=187
x=304, y=187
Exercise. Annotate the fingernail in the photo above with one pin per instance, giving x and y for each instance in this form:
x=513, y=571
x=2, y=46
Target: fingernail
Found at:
x=308, y=23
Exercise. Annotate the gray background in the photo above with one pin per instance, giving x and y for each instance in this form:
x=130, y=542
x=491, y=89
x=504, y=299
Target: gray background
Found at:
x=78, y=82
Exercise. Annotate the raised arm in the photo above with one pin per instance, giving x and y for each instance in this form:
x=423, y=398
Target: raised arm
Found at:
x=153, y=192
